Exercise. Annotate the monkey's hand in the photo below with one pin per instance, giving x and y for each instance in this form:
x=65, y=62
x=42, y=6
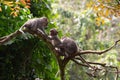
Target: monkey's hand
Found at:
x=50, y=38
x=39, y=31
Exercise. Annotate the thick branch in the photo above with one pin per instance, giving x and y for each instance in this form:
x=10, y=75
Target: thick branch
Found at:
x=99, y=52
x=9, y=37
x=94, y=52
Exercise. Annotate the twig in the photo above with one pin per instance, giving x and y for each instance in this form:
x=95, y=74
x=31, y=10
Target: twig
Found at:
x=117, y=72
x=79, y=63
x=93, y=52
x=95, y=63
x=84, y=61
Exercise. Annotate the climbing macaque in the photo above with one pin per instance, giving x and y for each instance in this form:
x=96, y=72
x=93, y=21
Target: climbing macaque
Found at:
x=35, y=25
x=56, y=42
x=65, y=46
x=70, y=46
x=54, y=37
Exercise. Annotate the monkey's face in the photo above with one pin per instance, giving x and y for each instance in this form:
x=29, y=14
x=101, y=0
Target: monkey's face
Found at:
x=53, y=32
x=44, y=21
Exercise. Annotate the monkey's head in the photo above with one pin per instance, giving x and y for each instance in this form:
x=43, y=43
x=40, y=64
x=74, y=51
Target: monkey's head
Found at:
x=53, y=32
x=44, y=21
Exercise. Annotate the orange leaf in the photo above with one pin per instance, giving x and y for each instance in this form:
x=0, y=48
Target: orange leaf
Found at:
x=23, y=2
x=28, y=1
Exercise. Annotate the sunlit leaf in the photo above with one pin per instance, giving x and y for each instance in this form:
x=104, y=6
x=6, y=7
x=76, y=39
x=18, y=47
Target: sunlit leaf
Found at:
x=98, y=19
x=105, y=8
x=23, y=2
x=0, y=9
x=89, y=4
x=106, y=13
x=97, y=23
x=9, y=3
x=102, y=21
x=95, y=8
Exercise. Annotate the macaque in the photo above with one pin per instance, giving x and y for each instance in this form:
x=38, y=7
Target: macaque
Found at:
x=53, y=35
x=35, y=25
x=65, y=46
x=56, y=42
x=70, y=46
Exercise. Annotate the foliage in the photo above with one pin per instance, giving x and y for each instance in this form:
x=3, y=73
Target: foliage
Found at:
x=9, y=15
x=90, y=31
x=16, y=60
x=25, y=59
x=104, y=9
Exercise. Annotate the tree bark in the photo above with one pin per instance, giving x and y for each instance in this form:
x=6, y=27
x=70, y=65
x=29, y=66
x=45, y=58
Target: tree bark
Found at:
x=62, y=72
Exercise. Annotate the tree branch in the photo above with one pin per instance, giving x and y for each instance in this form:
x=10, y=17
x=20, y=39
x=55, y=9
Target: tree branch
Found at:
x=81, y=52
x=9, y=37
x=79, y=63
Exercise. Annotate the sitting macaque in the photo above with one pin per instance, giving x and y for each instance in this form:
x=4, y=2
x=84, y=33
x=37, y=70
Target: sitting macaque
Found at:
x=65, y=47
x=35, y=25
x=54, y=37
x=70, y=46
x=56, y=42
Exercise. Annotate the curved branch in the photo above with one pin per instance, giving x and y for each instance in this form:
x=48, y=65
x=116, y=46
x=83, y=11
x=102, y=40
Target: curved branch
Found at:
x=95, y=52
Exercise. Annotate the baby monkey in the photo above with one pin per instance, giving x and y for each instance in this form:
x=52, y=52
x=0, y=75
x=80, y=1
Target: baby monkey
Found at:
x=65, y=46
x=54, y=37
x=37, y=25
x=56, y=42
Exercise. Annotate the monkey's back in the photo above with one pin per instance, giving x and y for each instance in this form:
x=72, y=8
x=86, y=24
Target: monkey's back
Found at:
x=32, y=23
x=69, y=45
x=35, y=23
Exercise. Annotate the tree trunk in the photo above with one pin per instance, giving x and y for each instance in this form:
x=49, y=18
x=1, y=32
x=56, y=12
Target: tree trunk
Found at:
x=62, y=72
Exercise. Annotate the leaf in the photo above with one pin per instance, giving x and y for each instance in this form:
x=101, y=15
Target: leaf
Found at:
x=89, y=4
x=102, y=21
x=106, y=13
x=98, y=19
x=97, y=23
x=0, y=9
x=95, y=8
x=23, y=2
